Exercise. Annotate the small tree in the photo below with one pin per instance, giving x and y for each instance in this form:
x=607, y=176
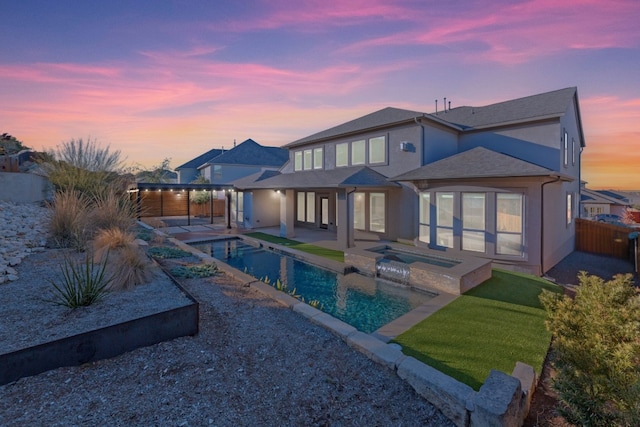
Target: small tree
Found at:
x=596, y=351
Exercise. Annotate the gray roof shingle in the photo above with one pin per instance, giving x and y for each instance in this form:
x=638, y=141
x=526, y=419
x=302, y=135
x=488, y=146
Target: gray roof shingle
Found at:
x=385, y=117
x=251, y=153
x=540, y=106
x=534, y=107
x=201, y=159
x=357, y=176
x=478, y=162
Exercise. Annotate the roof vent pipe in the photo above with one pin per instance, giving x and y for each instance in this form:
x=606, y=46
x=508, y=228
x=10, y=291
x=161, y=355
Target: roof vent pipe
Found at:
x=436, y=106
x=445, y=104
x=449, y=105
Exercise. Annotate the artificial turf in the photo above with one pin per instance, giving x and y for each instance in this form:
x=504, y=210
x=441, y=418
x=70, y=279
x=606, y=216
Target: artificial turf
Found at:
x=305, y=247
x=492, y=326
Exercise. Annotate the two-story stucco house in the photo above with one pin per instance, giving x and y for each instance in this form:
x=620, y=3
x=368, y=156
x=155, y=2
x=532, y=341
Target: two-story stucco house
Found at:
x=500, y=181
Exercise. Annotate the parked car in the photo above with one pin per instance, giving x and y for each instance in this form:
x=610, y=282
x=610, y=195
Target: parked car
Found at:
x=608, y=218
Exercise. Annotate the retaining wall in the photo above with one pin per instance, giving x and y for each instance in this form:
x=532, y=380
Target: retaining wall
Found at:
x=21, y=187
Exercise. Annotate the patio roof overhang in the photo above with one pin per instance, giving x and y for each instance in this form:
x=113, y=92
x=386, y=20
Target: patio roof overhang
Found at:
x=155, y=186
x=349, y=177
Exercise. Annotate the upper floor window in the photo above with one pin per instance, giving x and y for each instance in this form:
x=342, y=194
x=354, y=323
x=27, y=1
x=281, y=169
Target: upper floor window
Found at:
x=318, y=160
x=573, y=151
x=297, y=161
x=565, y=148
x=308, y=159
x=342, y=154
x=377, y=150
x=362, y=152
x=358, y=152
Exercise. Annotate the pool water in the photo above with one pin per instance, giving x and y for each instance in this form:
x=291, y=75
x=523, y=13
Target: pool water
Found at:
x=363, y=302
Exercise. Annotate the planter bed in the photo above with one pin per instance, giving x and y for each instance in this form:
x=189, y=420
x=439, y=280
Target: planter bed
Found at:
x=37, y=335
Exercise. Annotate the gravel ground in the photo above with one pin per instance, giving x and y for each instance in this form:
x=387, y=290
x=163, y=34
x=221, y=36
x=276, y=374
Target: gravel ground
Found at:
x=567, y=270
x=253, y=362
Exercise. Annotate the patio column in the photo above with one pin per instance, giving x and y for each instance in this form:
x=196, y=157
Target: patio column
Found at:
x=287, y=213
x=345, y=230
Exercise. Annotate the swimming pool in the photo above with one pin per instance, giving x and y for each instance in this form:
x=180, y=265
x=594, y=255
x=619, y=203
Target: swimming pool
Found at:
x=364, y=302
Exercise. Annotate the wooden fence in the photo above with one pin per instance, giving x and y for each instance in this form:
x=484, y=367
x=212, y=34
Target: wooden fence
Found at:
x=604, y=239
x=174, y=203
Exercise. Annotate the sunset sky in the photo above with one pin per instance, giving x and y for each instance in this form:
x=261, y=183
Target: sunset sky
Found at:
x=162, y=79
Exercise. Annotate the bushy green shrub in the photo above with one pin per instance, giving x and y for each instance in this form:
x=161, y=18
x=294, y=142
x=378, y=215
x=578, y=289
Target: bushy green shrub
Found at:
x=596, y=351
x=82, y=283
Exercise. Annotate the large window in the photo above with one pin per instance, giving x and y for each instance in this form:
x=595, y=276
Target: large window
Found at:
x=377, y=150
x=509, y=224
x=473, y=222
x=444, y=218
x=372, y=151
x=311, y=207
x=308, y=159
x=342, y=154
x=359, y=207
x=301, y=207
x=376, y=212
x=358, y=152
x=425, y=214
x=240, y=206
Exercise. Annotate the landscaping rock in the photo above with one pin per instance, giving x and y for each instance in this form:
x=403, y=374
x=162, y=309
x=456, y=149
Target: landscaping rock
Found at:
x=24, y=230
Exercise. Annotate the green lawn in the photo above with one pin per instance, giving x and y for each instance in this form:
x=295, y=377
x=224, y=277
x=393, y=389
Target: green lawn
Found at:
x=492, y=326
x=305, y=247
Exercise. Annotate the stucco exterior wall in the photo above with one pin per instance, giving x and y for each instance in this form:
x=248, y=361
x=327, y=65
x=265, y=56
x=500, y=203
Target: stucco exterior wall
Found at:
x=268, y=213
x=535, y=143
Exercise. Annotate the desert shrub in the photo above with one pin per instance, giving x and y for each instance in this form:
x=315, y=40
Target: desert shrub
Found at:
x=85, y=167
x=596, y=351
x=82, y=283
x=127, y=264
x=192, y=271
x=130, y=267
x=162, y=252
x=111, y=239
x=68, y=221
x=112, y=209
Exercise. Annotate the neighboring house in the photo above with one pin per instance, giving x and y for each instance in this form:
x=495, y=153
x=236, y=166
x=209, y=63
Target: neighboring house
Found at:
x=500, y=181
x=242, y=160
x=189, y=171
x=595, y=202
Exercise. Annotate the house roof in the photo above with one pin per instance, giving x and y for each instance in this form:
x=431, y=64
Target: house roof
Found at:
x=381, y=118
x=534, y=107
x=201, y=159
x=357, y=176
x=594, y=196
x=251, y=153
x=478, y=162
